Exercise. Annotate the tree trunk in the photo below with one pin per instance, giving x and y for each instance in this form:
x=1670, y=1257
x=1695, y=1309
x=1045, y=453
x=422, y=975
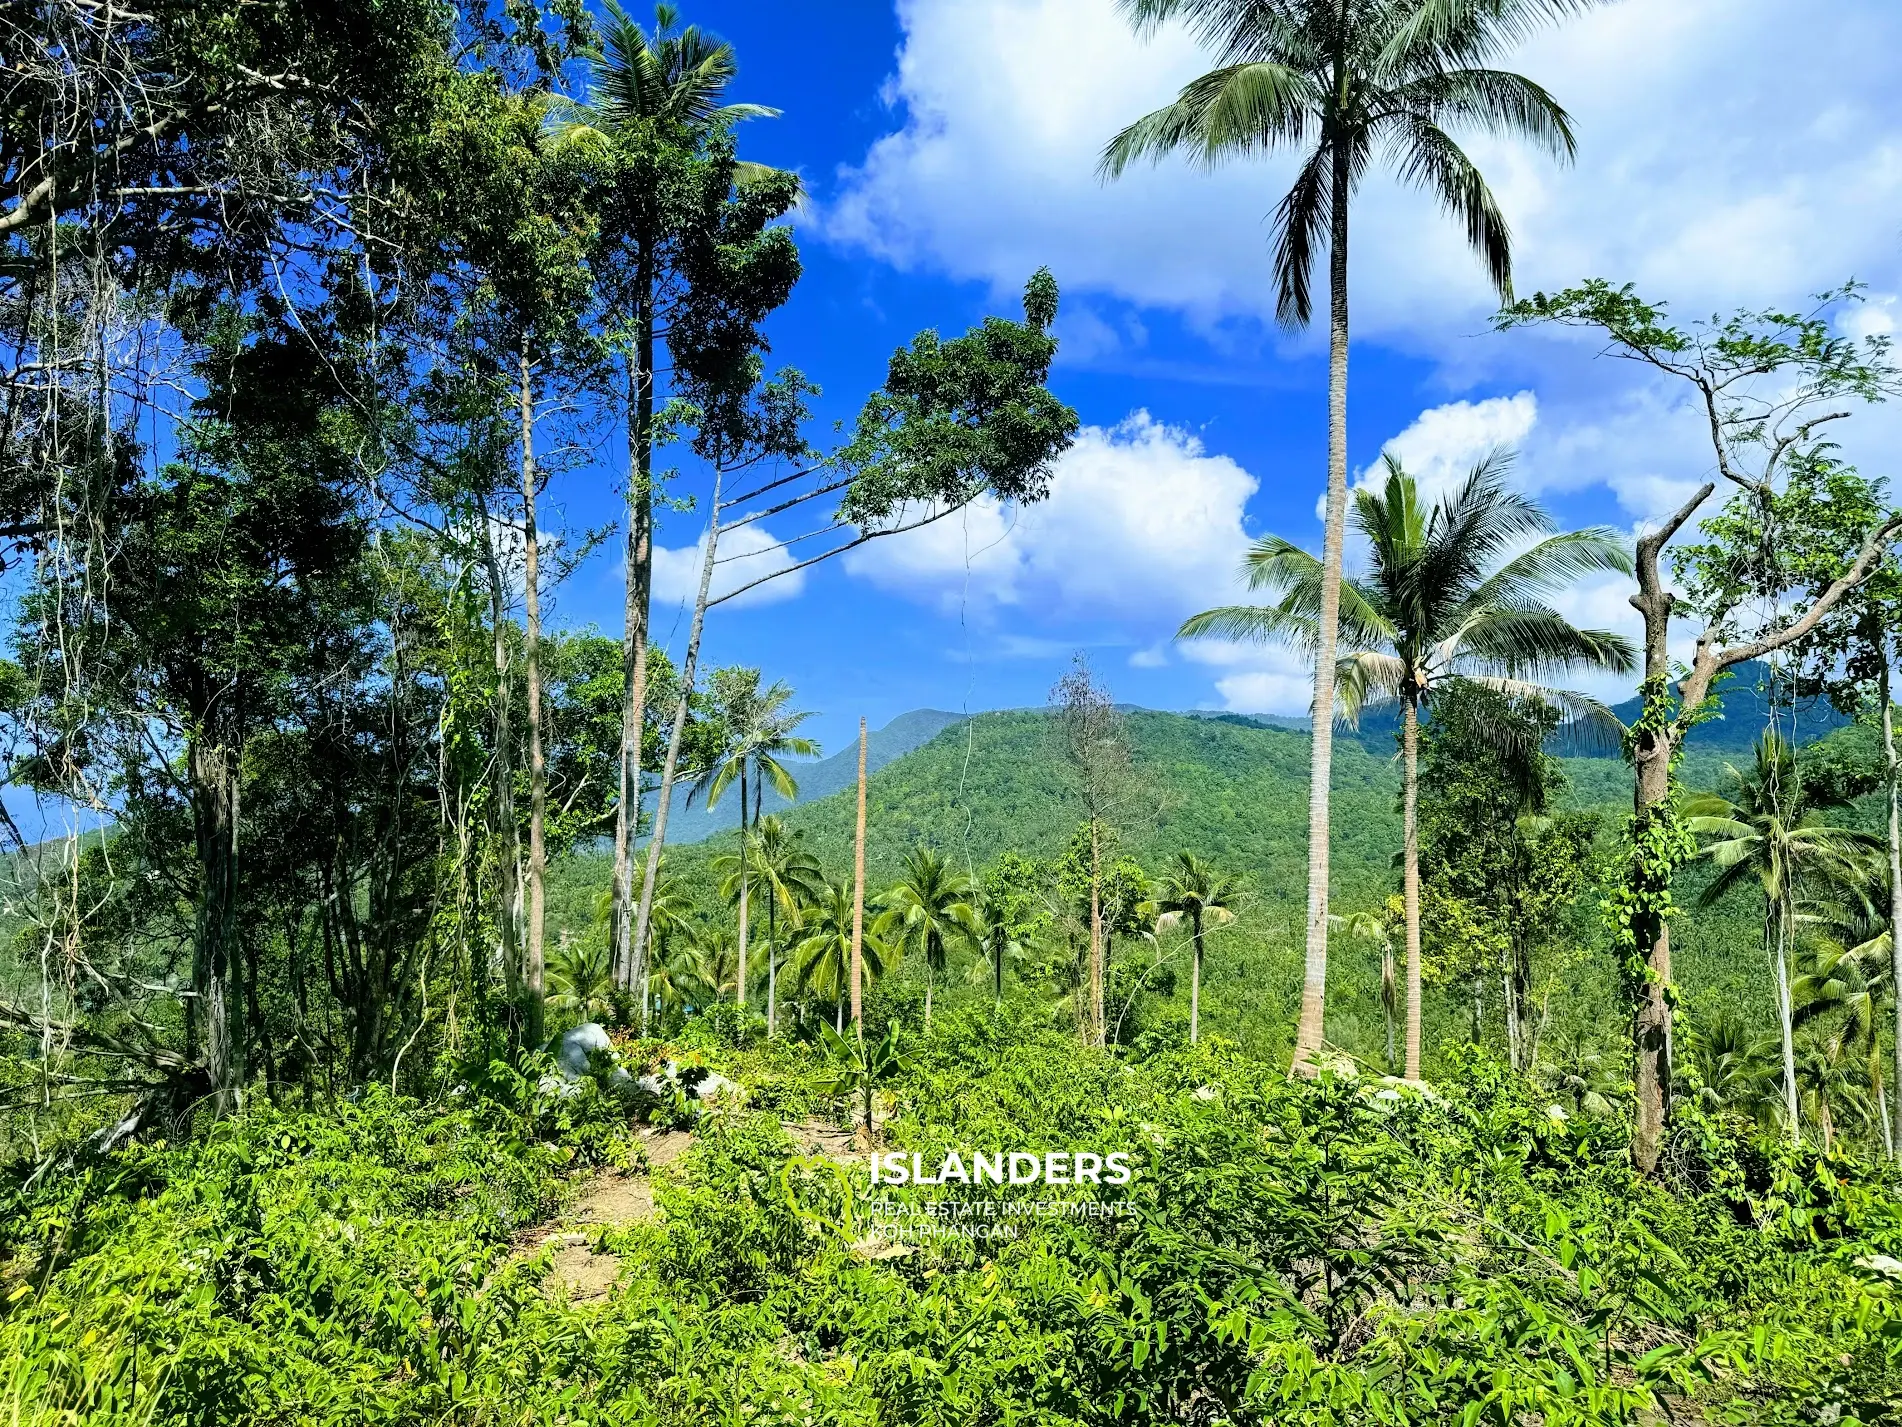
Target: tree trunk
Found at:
x=532, y=973
x=930, y=978
x=657, y=839
x=858, y=897
x=1895, y=878
x=503, y=829
x=772, y=956
x=745, y=886
x=640, y=583
x=214, y=796
x=1311, y=1027
x=1410, y=858
x=1098, y=1021
x=1786, y=1021
x=1195, y=978
x=1653, y=747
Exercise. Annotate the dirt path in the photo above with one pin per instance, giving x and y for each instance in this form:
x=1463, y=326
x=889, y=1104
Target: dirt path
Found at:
x=608, y=1200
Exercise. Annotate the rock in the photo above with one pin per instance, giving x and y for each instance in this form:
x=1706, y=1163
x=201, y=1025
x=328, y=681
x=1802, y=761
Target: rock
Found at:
x=574, y=1051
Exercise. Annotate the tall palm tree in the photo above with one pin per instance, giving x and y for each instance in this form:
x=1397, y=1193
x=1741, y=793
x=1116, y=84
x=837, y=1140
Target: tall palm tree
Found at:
x=645, y=91
x=716, y=959
x=927, y=909
x=1773, y=832
x=760, y=732
x=1195, y=893
x=823, y=954
x=1444, y=598
x=1339, y=81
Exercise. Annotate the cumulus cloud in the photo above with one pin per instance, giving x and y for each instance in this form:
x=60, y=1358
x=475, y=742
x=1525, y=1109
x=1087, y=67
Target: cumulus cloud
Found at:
x=746, y=553
x=1444, y=443
x=1142, y=527
x=1730, y=150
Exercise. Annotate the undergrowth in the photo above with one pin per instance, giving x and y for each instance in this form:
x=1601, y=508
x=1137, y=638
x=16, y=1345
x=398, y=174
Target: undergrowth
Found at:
x=1333, y=1252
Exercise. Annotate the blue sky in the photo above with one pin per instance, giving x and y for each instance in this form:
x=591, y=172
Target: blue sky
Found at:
x=1731, y=151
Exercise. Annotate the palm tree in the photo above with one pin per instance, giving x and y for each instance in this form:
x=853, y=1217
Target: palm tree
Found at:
x=1771, y=832
x=581, y=980
x=715, y=959
x=759, y=733
x=792, y=880
x=1378, y=927
x=1195, y=893
x=997, y=936
x=665, y=86
x=1846, y=984
x=1339, y=80
x=1444, y=599
x=823, y=955
x=1731, y=1067
x=927, y=909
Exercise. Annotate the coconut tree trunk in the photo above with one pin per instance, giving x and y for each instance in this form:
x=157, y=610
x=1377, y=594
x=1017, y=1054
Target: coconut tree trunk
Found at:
x=1895, y=878
x=640, y=583
x=1195, y=977
x=1780, y=959
x=858, y=897
x=1310, y=1028
x=532, y=972
x=658, y=838
x=746, y=880
x=1410, y=834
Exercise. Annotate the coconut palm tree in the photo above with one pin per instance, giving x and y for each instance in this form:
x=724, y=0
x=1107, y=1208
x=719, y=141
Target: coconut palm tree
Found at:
x=759, y=734
x=776, y=861
x=716, y=959
x=1731, y=1067
x=1341, y=82
x=823, y=954
x=1194, y=893
x=581, y=980
x=997, y=936
x=1772, y=832
x=1842, y=979
x=1379, y=927
x=927, y=909
x=1445, y=598
x=648, y=94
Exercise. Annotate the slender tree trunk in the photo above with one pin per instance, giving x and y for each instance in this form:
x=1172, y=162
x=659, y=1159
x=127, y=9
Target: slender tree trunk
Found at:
x=745, y=885
x=772, y=951
x=1099, y=1018
x=1780, y=964
x=930, y=979
x=1195, y=978
x=858, y=898
x=1891, y=768
x=640, y=582
x=532, y=973
x=503, y=831
x=1387, y=997
x=215, y=970
x=1312, y=1026
x=657, y=839
x=1410, y=835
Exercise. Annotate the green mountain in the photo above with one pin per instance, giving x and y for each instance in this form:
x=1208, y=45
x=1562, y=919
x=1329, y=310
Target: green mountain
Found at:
x=817, y=779
x=1235, y=793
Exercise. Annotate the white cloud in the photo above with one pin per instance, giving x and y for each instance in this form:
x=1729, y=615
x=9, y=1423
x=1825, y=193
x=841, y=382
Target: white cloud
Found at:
x=1444, y=443
x=1729, y=151
x=1142, y=527
x=746, y=553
